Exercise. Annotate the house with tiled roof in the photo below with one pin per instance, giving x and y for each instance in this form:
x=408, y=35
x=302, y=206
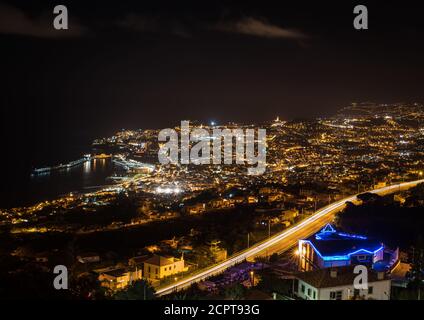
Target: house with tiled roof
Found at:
x=119, y=278
x=339, y=284
x=158, y=267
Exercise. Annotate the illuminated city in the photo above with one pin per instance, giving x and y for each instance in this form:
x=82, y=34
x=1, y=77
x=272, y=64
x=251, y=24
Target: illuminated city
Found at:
x=363, y=147
x=183, y=158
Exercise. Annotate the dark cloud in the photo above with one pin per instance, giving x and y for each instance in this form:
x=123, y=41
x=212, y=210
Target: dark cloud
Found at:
x=259, y=28
x=140, y=23
x=15, y=21
x=247, y=26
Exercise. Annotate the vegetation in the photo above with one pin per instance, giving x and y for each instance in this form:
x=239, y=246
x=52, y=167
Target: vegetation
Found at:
x=272, y=284
x=417, y=269
x=235, y=292
x=87, y=286
x=394, y=223
x=139, y=290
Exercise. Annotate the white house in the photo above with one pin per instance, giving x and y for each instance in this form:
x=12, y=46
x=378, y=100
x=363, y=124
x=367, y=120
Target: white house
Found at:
x=338, y=284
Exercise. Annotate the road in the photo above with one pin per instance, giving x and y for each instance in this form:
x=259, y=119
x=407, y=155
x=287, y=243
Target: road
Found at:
x=282, y=241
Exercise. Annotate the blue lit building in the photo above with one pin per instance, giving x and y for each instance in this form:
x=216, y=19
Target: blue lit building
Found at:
x=331, y=248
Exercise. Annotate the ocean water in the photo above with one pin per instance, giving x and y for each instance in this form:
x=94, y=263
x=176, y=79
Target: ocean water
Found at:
x=85, y=177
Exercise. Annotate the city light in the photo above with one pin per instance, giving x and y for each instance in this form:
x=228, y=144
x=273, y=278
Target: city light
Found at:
x=212, y=152
x=168, y=190
x=293, y=232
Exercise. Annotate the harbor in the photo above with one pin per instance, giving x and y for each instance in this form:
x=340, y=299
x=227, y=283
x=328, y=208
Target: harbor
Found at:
x=48, y=170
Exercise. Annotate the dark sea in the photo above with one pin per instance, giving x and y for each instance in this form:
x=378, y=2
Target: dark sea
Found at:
x=20, y=188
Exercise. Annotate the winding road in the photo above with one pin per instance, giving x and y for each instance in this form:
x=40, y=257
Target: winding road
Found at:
x=281, y=241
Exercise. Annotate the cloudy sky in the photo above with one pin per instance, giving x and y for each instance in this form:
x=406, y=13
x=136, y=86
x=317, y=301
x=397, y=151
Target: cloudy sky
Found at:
x=143, y=64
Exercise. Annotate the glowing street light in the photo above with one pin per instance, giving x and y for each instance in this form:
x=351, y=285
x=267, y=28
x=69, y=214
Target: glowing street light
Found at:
x=252, y=278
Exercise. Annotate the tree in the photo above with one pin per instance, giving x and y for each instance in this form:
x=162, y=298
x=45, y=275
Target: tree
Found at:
x=368, y=197
x=191, y=293
x=274, y=257
x=271, y=283
x=87, y=286
x=417, y=196
x=31, y=281
x=139, y=290
x=261, y=259
x=417, y=267
x=235, y=292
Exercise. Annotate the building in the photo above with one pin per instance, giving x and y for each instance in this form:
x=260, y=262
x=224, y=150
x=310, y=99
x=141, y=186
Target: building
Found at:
x=220, y=203
x=138, y=261
x=252, y=199
x=331, y=248
x=289, y=214
x=88, y=258
x=119, y=278
x=338, y=284
x=158, y=267
x=195, y=208
x=218, y=253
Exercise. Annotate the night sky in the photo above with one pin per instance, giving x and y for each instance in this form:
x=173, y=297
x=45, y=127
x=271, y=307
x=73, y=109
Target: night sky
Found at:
x=149, y=64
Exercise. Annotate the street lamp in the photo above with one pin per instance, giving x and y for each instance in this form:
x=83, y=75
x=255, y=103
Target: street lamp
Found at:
x=252, y=278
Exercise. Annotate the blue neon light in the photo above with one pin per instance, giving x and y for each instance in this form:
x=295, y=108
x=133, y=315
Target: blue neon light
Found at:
x=328, y=228
x=343, y=257
x=351, y=235
x=320, y=236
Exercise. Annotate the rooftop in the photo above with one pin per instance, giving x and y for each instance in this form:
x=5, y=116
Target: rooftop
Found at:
x=139, y=259
x=119, y=272
x=330, y=242
x=344, y=276
x=160, y=260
